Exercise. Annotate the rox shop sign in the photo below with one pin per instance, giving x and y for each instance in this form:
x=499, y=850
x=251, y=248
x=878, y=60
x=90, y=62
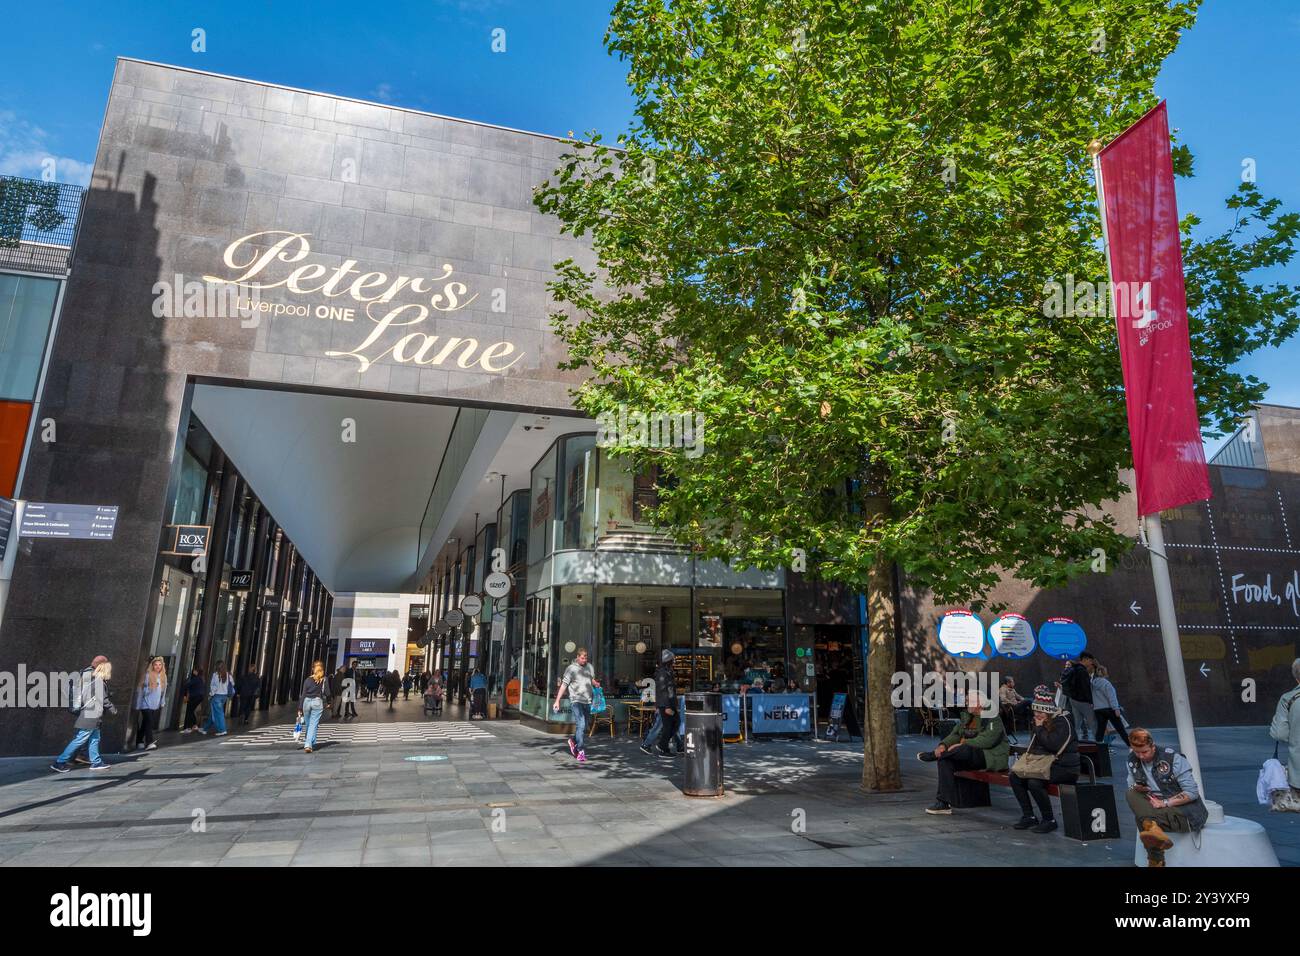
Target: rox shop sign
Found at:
x=188, y=539
x=276, y=259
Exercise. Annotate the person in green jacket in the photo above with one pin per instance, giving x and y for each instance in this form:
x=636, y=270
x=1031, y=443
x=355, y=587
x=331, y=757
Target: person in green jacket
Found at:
x=976, y=743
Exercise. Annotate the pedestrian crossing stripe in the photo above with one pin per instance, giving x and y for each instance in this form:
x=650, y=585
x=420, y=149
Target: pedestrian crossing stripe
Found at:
x=393, y=733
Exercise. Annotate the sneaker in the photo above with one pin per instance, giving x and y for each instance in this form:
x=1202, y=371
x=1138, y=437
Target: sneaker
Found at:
x=1025, y=823
x=926, y=756
x=582, y=756
x=646, y=750
x=188, y=730
x=60, y=768
x=1047, y=826
x=219, y=733
x=665, y=753
x=140, y=745
x=152, y=746
x=80, y=760
x=940, y=809
x=573, y=748
x=101, y=766
x=306, y=750
x=200, y=730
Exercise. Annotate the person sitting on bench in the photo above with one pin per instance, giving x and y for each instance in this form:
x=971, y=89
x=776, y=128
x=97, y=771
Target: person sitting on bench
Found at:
x=1053, y=736
x=1162, y=794
x=1014, y=706
x=976, y=743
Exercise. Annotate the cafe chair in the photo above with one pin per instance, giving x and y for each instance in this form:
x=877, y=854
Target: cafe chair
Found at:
x=929, y=721
x=639, y=717
x=601, y=720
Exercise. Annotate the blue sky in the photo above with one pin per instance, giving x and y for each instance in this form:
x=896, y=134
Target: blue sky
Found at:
x=1231, y=84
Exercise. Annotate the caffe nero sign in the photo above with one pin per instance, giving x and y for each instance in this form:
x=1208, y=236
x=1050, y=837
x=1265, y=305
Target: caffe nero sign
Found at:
x=395, y=313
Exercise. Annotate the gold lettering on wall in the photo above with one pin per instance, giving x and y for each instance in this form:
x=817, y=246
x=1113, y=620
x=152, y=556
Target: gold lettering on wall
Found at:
x=258, y=258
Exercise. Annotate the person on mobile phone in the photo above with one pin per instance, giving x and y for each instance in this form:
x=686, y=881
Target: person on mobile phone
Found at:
x=1162, y=793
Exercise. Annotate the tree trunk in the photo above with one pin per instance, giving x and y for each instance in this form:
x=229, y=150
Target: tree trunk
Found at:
x=880, y=771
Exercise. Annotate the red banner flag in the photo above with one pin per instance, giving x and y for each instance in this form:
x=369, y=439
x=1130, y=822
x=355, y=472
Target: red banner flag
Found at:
x=1150, y=309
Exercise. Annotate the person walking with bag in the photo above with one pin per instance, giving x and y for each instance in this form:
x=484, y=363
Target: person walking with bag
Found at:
x=579, y=679
x=1051, y=758
x=221, y=687
x=150, y=700
x=1105, y=702
x=315, y=696
x=1285, y=729
x=90, y=698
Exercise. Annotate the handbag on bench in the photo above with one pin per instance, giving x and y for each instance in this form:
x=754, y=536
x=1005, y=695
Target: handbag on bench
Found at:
x=1039, y=766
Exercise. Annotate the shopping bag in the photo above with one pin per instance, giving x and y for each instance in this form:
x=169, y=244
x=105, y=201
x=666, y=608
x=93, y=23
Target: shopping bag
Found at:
x=598, y=701
x=297, y=729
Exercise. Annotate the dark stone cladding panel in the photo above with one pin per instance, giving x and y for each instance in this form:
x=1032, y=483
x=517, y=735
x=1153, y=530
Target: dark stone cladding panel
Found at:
x=187, y=163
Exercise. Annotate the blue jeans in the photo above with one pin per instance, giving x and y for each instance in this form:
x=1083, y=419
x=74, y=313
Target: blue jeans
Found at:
x=581, y=716
x=312, y=709
x=81, y=737
x=216, y=714
x=655, y=729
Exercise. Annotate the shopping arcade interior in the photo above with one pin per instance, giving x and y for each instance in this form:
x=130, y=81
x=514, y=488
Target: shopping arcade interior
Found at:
x=406, y=497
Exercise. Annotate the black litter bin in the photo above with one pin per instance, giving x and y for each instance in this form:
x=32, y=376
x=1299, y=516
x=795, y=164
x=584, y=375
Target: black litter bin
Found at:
x=703, y=745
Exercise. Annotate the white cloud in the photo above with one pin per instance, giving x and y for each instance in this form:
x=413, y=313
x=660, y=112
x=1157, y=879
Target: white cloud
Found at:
x=25, y=151
x=383, y=92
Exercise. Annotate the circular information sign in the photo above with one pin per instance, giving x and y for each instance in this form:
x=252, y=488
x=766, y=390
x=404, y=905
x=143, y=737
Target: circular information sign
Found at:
x=497, y=584
x=1012, y=636
x=442, y=627
x=454, y=617
x=1062, y=638
x=961, y=634
x=472, y=605
x=512, y=692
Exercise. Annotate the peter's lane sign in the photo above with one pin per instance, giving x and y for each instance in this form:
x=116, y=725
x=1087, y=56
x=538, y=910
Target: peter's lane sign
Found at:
x=42, y=519
x=277, y=259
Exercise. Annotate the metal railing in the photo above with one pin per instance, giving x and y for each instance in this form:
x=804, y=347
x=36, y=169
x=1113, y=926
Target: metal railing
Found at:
x=38, y=223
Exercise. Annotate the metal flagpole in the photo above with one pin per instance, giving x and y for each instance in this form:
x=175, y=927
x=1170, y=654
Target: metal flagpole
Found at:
x=1155, y=542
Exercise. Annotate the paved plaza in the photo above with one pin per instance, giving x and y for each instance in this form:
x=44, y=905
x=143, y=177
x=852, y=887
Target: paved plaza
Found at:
x=492, y=793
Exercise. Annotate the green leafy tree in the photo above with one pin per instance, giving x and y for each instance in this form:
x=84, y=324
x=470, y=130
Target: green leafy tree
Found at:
x=833, y=230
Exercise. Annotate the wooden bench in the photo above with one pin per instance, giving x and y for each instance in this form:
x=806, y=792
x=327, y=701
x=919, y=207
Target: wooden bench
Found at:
x=1088, y=811
x=998, y=778
x=1089, y=753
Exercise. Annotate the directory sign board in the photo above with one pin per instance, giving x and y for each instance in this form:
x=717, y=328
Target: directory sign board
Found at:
x=41, y=519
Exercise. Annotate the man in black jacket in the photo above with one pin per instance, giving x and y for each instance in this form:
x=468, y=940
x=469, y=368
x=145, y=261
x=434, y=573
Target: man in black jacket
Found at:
x=196, y=691
x=1076, y=683
x=247, y=687
x=666, y=702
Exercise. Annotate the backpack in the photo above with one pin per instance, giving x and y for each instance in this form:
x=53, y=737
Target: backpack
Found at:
x=81, y=692
x=76, y=697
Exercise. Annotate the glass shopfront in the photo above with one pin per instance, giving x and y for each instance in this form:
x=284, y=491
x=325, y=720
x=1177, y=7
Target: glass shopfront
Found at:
x=590, y=572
